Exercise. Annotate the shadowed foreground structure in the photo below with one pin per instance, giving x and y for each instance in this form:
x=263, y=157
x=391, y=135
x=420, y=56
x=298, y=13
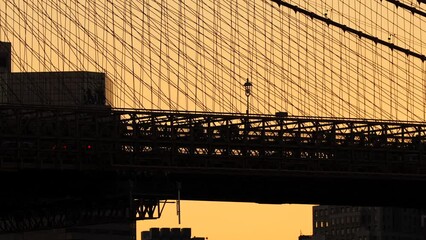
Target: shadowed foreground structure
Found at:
x=79, y=162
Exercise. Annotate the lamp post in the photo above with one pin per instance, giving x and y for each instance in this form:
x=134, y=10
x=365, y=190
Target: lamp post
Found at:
x=247, y=87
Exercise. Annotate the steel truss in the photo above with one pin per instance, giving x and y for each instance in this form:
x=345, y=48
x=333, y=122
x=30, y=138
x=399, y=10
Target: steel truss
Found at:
x=31, y=216
x=187, y=146
x=103, y=138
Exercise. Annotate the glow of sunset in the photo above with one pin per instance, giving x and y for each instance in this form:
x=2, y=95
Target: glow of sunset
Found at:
x=230, y=221
x=151, y=52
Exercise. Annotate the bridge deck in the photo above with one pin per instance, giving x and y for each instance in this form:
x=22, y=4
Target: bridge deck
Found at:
x=67, y=138
x=87, y=160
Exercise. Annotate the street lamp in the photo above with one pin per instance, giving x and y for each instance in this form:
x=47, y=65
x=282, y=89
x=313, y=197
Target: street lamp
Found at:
x=247, y=87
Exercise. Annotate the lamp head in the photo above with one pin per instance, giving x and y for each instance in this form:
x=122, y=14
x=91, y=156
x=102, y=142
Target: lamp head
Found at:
x=247, y=86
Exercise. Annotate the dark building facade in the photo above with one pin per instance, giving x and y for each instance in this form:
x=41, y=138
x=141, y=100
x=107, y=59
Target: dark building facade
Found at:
x=112, y=231
x=305, y=237
x=55, y=88
x=5, y=57
x=71, y=88
x=368, y=223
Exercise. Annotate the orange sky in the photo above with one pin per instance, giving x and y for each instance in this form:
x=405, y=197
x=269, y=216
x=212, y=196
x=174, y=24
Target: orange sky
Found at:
x=215, y=220
x=230, y=221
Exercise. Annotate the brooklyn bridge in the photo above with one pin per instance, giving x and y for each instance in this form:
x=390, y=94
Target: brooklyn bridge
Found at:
x=110, y=108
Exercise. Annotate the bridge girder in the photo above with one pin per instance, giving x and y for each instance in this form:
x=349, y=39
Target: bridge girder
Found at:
x=103, y=138
x=93, y=153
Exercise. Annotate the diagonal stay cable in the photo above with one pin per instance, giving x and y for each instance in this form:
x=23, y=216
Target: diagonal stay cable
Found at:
x=351, y=30
x=412, y=9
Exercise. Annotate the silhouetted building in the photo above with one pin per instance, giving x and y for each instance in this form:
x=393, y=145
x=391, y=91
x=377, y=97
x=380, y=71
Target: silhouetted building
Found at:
x=169, y=234
x=368, y=223
x=5, y=57
x=55, y=88
x=73, y=88
x=113, y=231
x=305, y=237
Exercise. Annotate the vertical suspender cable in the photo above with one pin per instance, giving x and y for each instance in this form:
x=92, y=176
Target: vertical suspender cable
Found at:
x=132, y=46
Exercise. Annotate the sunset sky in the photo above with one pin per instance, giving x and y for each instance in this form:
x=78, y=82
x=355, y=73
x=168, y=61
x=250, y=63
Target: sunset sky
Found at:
x=195, y=55
x=230, y=221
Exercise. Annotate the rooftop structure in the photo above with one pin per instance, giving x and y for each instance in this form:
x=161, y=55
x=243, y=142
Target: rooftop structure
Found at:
x=169, y=234
x=5, y=57
x=75, y=88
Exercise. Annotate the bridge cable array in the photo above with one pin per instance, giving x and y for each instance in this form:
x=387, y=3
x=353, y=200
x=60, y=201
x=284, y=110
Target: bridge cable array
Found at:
x=363, y=60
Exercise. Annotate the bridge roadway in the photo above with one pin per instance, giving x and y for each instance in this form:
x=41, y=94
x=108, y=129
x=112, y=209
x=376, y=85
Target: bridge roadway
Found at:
x=97, y=161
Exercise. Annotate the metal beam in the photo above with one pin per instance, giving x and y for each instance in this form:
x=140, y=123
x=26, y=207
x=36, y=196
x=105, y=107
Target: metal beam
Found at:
x=350, y=30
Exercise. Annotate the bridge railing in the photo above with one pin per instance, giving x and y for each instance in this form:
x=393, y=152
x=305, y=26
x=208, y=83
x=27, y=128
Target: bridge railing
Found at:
x=103, y=138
